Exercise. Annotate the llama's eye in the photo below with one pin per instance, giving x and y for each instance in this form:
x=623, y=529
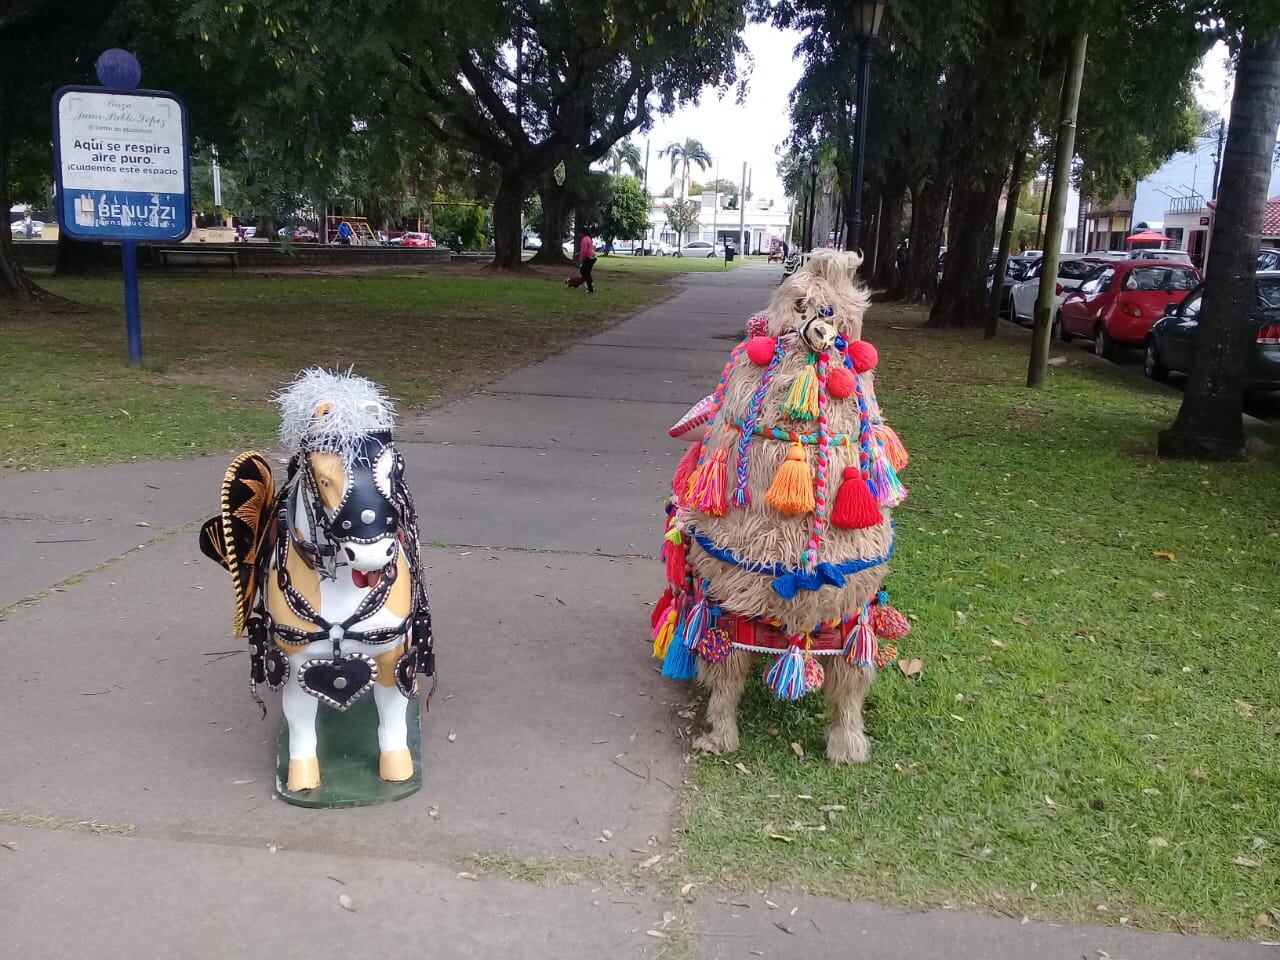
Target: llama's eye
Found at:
x=827, y=312
x=800, y=306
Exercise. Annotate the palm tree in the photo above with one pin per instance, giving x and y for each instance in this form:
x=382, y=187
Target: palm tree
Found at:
x=625, y=154
x=683, y=154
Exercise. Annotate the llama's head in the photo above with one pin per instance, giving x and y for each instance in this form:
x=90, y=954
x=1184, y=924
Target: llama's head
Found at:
x=820, y=301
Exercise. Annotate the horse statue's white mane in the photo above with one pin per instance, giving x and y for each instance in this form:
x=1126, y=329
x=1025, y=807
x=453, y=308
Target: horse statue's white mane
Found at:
x=353, y=407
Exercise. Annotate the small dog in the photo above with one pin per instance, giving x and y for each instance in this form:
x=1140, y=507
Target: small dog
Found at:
x=574, y=281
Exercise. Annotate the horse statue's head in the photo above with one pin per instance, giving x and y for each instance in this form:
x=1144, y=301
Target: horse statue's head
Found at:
x=345, y=471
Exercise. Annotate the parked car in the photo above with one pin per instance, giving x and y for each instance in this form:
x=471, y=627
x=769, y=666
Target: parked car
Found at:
x=532, y=242
x=1015, y=272
x=413, y=238
x=1181, y=256
x=1269, y=259
x=1022, y=298
x=1121, y=300
x=299, y=234
x=1171, y=344
x=19, y=229
x=701, y=248
x=659, y=248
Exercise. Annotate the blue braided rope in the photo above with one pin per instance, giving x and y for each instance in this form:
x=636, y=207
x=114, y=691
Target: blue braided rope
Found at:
x=788, y=580
x=740, y=497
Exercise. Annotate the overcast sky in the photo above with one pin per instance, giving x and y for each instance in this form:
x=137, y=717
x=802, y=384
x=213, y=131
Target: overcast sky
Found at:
x=753, y=130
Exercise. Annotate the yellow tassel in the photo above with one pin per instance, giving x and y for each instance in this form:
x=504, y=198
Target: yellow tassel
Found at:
x=802, y=398
x=792, y=487
x=662, y=639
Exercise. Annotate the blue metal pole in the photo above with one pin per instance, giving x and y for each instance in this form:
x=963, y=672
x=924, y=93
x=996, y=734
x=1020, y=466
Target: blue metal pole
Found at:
x=132, y=322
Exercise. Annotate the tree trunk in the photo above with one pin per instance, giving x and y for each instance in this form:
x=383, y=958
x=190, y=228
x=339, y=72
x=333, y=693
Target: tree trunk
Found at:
x=14, y=282
x=1209, y=423
x=928, y=211
x=1006, y=240
x=506, y=222
x=555, y=215
x=962, y=295
x=889, y=229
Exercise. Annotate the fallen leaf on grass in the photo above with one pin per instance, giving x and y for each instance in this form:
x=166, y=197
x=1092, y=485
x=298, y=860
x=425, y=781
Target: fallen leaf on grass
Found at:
x=773, y=731
x=797, y=749
x=345, y=901
x=1262, y=921
x=1023, y=621
x=1154, y=842
x=658, y=934
x=464, y=875
x=1246, y=862
x=833, y=808
x=957, y=717
x=1152, y=791
x=1049, y=802
x=997, y=643
x=1245, y=708
x=911, y=668
x=651, y=861
x=1198, y=775
x=1163, y=554
x=781, y=836
x=606, y=836
x=742, y=768
x=686, y=889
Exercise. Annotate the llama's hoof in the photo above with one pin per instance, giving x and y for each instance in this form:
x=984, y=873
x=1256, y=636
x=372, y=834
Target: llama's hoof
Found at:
x=395, y=765
x=717, y=742
x=845, y=746
x=304, y=774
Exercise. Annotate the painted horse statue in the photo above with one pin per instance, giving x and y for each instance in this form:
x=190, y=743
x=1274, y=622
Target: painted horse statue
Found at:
x=326, y=571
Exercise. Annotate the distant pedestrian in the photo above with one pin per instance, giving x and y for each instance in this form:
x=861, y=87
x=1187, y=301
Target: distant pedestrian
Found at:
x=900, y=258
x=27, y=226
x=587, y=260
x=344, y=233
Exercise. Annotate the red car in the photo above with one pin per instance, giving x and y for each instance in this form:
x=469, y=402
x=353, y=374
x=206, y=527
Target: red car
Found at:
x=414, y=239
x=1118, y=303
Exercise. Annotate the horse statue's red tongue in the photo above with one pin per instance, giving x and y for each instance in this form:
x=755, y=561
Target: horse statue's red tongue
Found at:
x=365, y=580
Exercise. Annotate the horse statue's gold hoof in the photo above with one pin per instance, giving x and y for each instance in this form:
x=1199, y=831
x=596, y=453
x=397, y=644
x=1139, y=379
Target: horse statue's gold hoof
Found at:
x=304, y=774
x=395, y=765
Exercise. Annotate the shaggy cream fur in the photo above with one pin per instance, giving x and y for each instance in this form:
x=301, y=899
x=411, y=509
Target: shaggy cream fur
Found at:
x=824, y=288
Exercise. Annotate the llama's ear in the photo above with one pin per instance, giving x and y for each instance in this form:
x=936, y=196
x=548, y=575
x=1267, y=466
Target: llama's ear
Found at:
x=322, y=410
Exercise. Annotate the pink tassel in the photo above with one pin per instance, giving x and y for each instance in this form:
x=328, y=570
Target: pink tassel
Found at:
x=707, y=489
x=860, y=650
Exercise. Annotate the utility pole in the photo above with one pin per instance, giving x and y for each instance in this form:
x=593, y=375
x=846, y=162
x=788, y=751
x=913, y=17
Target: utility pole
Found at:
x=742, y=209
x=1057, y=212
x=715, y=211
x=1217, y=157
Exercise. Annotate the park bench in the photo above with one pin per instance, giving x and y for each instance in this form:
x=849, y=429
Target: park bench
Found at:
x=199, y=258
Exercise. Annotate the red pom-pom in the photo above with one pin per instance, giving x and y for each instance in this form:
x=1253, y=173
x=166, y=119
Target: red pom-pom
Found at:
x=760, y=350
x=863, y=355
x=840, y=382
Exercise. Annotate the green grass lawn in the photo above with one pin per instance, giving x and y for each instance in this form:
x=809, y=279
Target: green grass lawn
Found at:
x=1096, y=733
x=215, y=348
x=625, y=264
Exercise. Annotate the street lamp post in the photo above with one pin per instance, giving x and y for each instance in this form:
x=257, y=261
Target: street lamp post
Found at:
x=867, y=15
x=813, y=202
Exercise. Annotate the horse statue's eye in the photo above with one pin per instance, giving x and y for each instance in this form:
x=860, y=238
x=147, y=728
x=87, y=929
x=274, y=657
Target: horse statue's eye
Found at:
x=827, y=312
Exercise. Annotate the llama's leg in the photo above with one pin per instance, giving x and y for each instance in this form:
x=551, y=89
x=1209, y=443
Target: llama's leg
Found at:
x=844, y=688
x=300, y=713
x=726, y=681
x=395, y=762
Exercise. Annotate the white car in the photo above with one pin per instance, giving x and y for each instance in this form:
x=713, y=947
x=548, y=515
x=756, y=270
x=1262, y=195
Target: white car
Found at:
x=1180, y=256
x=1022, y=298
x=19, y=229
x=701, y=248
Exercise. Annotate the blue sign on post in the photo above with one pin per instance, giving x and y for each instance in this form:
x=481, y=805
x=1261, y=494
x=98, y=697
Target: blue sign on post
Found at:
x=122, y=168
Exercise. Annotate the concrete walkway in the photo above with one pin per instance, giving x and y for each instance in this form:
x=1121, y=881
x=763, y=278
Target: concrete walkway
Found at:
x=136, y=776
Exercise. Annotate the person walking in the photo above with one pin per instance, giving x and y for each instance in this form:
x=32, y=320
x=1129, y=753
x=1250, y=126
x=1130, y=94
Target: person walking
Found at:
x=344, y=233
x=587, y=260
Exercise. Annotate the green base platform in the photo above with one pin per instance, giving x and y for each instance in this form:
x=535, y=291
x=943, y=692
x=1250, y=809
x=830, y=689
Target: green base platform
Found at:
x=348, y=753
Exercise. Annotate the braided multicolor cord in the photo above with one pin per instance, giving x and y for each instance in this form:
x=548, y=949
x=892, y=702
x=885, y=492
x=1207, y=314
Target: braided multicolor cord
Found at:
x=810, y=555
x=717, y=399
x=864, y=431
x=740, y=496
x=792, y=436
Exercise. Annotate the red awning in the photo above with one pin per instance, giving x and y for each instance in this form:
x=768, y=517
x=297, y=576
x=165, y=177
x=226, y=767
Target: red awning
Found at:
x=1147, y=236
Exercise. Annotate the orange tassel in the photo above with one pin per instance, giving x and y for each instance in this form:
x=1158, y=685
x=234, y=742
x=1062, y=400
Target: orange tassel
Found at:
x=684, y=470
x=707, y=485
x=792, y=487
x=856, y=508
x=893, y=447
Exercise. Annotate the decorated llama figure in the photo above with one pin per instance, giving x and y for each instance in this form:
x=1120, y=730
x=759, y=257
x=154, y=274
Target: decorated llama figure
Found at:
x=779, y=532
x=328, y=582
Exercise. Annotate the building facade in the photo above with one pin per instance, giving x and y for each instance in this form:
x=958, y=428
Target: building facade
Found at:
x=752, y=229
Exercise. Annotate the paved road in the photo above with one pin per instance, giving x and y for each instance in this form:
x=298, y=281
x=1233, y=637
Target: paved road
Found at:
x=135, y=773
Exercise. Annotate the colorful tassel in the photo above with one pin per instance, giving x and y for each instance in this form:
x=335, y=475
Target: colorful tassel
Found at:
x=889, y=491
x=856, y=507
x=665, y=631
x=684, y=470
x=792, y=487
x=786, y=676
x=887, y=622
x=814, y=675
x=696, y=624
x=679, y=663
x=673, y=552
x=802, y=399
x=892, y=445
x=860, y=648
x=661, y=607
x=715, y=645
x=707, y=486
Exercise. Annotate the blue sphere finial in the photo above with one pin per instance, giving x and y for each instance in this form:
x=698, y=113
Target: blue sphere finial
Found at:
x=118, y=69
